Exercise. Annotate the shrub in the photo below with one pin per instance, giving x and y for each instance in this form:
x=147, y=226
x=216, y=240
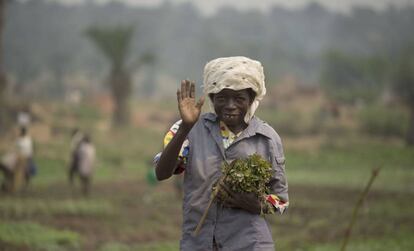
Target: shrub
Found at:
x=383, y=121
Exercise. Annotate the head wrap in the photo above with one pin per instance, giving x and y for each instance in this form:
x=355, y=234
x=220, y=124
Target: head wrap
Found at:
x=235, y=73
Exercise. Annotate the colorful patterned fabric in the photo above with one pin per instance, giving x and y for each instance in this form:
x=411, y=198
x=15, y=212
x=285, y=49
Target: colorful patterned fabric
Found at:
x=183, y=155
x=277, y=203
x=227, y=135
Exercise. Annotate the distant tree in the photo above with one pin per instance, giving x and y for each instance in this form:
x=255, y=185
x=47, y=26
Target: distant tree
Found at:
x=403, y=83
x=114, y=43
x=347, y=78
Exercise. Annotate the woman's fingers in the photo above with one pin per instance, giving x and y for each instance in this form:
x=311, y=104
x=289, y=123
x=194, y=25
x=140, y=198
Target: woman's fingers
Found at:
x=178, y=95
x=187, y=90
x=183, y=88
x=192, y=90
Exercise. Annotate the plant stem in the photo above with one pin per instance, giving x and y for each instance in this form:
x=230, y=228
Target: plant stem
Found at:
x=374, y=174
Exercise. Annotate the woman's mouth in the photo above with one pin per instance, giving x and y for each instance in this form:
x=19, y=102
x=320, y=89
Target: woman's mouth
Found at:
x=230, y=116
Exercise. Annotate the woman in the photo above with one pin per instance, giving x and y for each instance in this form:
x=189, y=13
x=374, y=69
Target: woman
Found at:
x=198, y=144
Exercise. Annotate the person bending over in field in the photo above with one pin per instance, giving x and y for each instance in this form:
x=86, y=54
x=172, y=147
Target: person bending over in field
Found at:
x=197, y=145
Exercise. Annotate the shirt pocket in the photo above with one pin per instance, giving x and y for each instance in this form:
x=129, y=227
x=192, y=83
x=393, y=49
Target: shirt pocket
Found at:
x=280, y=160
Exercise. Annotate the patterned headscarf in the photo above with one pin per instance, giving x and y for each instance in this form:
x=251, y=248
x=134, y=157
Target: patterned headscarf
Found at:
x=235, y=73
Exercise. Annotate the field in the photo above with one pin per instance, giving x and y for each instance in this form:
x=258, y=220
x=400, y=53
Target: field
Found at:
x=126, y=211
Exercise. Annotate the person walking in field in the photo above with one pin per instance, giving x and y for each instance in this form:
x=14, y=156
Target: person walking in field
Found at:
x=84, y=163
x=197, y=145
x=86, y=167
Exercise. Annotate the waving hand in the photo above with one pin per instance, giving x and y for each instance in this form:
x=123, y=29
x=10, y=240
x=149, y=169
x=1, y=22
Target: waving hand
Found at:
x=189, y=109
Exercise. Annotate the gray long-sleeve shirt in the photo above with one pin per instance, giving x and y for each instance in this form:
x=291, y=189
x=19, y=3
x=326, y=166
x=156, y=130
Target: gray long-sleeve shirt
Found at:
x=233, y=229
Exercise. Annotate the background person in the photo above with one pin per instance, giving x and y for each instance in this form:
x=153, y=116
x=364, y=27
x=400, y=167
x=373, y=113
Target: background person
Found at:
x=7, y=164
x=76, y=138
x=25, y=166
x=86, y=155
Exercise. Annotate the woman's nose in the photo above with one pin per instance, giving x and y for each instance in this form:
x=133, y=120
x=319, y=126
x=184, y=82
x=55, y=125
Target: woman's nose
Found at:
x=230, y=104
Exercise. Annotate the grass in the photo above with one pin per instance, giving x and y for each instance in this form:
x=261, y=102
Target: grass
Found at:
x=38, y=237
x=350, y=165
x=398, y=242
x=156, y=246
x=30, y=207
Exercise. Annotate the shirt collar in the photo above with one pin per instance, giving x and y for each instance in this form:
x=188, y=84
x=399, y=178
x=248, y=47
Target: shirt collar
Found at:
x=256, y=126
x=210, y=116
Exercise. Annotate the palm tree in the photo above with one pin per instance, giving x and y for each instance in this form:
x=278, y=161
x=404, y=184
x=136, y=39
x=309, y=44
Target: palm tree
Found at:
x=114, y=43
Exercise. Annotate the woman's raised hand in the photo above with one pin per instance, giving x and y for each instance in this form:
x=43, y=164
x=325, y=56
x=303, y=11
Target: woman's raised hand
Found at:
x=189, y=109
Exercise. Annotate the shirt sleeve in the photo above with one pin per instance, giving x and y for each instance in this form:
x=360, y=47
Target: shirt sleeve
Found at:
x=278, y=198
x=182, y=156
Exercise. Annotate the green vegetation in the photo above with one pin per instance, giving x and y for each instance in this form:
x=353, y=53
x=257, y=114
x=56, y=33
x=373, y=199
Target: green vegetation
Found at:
x=395, y=243
x=349, y=78
x=348, y=163
x=384, y=121
x=34, y=207
x=167, y=246
x=248, y=175
x=38, y=237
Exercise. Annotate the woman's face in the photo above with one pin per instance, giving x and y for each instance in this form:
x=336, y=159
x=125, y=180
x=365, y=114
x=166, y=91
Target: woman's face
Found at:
x=231, y=106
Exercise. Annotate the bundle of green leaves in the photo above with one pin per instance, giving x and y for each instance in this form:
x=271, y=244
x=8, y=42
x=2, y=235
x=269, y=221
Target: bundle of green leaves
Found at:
x=248, y=175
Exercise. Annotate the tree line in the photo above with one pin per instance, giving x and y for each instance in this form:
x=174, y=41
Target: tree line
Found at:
x=43, y=36
x=354, y=56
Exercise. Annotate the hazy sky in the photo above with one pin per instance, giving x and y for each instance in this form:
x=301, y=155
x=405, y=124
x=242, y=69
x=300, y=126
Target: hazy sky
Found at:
x=209, y=6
